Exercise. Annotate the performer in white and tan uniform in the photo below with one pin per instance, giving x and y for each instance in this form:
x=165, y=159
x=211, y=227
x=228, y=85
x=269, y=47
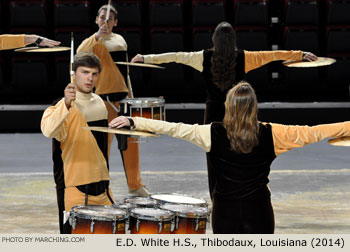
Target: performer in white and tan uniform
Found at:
x=241, y=149
x=114, y=85
x=81, y=168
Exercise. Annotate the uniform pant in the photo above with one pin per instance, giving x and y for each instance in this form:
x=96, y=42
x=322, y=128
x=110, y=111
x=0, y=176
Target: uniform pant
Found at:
x=70, y=197
x=131, y=155
x=250, y=215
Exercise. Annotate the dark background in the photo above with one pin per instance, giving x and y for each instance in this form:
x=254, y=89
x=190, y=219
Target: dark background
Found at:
x=150, y=26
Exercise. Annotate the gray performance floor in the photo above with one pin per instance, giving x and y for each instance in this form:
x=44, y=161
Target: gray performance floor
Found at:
x=310, y=186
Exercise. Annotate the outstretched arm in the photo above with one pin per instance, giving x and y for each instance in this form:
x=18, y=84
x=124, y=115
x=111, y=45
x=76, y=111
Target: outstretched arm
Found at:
x=192, y=59
x=287, y=137
x=197, y=134
x=256, y=59
x=11, y=41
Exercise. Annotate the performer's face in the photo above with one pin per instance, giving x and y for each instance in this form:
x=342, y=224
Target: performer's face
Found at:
x=85, y=78
x=112, y=22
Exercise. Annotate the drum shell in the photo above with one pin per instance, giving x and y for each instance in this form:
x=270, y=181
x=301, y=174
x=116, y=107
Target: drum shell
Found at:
x=189, y=219
x=187, y=225
x=149, y=227
x=151, y=221
x=97, y=219
x=151, y=108
x=100, y=227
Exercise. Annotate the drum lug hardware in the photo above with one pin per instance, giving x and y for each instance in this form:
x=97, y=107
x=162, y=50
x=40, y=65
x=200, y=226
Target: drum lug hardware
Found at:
x=127, y=224
x=177, y=220
x=73, y=222
x=114, y=224
x=208, y=222
x=173, y=225
x=138, y=225
x=92, y=227
x=196, y=224
x=160, y=227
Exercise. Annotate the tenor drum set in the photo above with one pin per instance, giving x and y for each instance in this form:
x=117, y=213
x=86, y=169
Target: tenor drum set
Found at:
x=157, y=214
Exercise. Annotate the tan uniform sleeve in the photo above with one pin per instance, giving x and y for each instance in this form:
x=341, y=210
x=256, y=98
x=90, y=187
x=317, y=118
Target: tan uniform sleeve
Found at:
x=256, y=59
x=287, y=137
x=11, y=41
x=192, y=59
x=54, y=120
x=88, y=44
x=199, y=135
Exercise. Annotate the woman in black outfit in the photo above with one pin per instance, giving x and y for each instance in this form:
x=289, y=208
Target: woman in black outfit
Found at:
x=222, y=67
x=241, y=150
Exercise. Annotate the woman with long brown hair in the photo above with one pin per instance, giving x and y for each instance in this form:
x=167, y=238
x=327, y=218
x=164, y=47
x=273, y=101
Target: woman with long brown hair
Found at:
x=241, y=150
x=222, y=67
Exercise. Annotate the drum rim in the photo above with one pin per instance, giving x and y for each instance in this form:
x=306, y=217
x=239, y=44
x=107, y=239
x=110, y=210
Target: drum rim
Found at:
x=101, y=218
x=170, y=216
x=144, y=102
x=204, y=204
x=126, y=200
x=192, y=215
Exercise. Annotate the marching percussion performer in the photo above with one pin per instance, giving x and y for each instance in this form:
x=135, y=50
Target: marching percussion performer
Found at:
x=112, y=87
x=10, y=41
x=81, y=168
x=222, y=66
x=241, y=150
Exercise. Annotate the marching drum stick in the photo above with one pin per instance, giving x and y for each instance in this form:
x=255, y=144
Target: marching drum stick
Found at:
x=128, y=81
x=71, y=63
x=107, y=17
x=108, y=11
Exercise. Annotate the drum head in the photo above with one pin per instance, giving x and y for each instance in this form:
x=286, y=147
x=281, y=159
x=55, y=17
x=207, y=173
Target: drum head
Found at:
x=96, y=212
x=187, y=211
x=178, y=199
x=151, y=214
x=124, y=206
x=144, y=102
x=141, y=201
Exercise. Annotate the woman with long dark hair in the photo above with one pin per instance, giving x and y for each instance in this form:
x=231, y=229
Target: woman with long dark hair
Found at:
x=222, y=67
x=241, y=150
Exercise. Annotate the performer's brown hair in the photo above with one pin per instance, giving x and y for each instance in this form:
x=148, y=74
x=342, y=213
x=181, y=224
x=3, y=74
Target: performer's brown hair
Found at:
x=112, y=9
x=223, y=61
x=86, y=59
x=241, y=118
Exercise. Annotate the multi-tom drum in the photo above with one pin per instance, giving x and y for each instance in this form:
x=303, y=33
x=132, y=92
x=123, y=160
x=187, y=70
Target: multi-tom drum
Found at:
x=151, y=221
x=147, y=107
x=189, y=219
x=96, y=219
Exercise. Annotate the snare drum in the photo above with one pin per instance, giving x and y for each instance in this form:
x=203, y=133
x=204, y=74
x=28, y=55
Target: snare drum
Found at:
x=173, y=198
x=147, y=107
x=188, y=219
x=141, y=202
x=95, y=219
x=151, y=221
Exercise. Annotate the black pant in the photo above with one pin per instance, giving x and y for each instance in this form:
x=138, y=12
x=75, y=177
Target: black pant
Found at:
x=250, y=215
x=64, y=228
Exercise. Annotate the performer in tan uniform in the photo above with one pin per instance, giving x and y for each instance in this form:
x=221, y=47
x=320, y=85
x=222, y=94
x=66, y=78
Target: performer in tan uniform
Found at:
x=112, y=87
x=222, y=67
x=241, y=149
x=81, y=168
x=12, y=41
